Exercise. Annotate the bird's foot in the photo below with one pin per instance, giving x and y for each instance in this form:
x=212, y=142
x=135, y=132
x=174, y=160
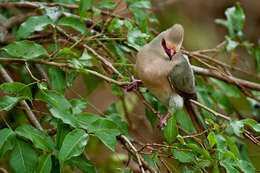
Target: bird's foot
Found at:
x=163, y=121
x=134, y=84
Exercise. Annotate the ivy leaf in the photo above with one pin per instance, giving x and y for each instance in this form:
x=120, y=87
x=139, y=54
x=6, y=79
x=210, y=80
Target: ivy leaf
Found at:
x=107, y=4
x=212, y=139
x=57, y=79
x=25, y=49
x=91, y=86
x=82, y=163
x=235, y=20
x=32, y=24
x=53, y=12
x=105, y=129
x=246, y=166
x=17, y=88
x=78, y=105
x=40, y=139
x=136, y=38
x=122, y=125
x=44, y=164
x=170, y=131
x=58, y=106
x=8, y=102
x=5, y=134
x=23, y=158
x=231, y=44
x=184, y=156
x=237, y=127
x=252, y=124
x=73, y=23
x=73, y=144
x=84, y=6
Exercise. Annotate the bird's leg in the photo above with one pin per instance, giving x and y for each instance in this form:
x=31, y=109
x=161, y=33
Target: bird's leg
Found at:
x=163, y=120
x=134, y=84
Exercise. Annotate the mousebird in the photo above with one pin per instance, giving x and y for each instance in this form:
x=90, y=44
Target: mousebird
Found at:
x=167, y=73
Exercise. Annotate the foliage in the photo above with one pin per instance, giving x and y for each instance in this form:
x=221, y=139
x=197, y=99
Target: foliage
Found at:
x=29, y=149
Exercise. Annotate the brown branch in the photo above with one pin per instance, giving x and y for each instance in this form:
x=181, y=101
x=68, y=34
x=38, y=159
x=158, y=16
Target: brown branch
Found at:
x=162, y=146
x=133, y=151
x=23, y=103
x=17, y=60
x=216, y=74
x=30, y=73
x=215, y=61
x=165, y=165
x=102, y=59
x=246, y=133
x=3, y=170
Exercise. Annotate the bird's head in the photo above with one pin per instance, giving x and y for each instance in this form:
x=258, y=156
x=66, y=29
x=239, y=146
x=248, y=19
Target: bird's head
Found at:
x=172, y=41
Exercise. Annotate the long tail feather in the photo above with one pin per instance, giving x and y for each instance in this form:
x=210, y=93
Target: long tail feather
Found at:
x=195, y=116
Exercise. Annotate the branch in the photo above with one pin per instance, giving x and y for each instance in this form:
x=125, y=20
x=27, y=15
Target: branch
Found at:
x=215, y=74
x=29, y=113
x=245, y=132
x=51, y=63
x=133, y=151
x=102, y=59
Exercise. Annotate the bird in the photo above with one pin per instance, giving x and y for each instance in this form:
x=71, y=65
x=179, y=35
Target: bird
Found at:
x=167, y=73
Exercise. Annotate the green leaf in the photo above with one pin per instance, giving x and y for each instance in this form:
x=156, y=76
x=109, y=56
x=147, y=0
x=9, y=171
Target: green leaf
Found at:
x=228, y=166
x=122, y=125
x=230, y=90
x=23, y=158
x=170, y=131
x=39, y=138
x=199, y=150
x=53, y=12
x=223, y=101
x=237, y=127
x=78, y=105
x=73, y=23
x=82, y=163
x=212, y=139
x=57, y=79
x=246, y=166
x=62, y=131
x=44, y=164
x=25, y=49
x=184, y=156
x=107, y=4
x=231, y=44
x=252, y=124
x=58, y=106
x=8, y=102
x=232, y=146
x=115, y=25
x=155, y=158
x=235, y=20
x=116, y=90
x=32, y=24
x=84, y=6
x=105, y=129
x=141, y=4
x=255, y=52
x=187, y=170
x=17, y=88
x=91, y=82
x=140, y=18
x=73, y=144
x=184, y=120
x=136, y=38
x=5, y=134
x=221, y=143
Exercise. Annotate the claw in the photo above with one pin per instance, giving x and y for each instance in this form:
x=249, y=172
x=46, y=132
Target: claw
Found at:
x=134, y=84
x=163, y=121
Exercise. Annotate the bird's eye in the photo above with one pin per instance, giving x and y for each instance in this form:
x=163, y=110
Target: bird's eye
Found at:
x=163, y=43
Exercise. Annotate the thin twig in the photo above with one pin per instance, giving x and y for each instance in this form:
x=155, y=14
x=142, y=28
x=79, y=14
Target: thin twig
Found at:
x=30, y=73
x=102, y=59
x=29, y=113
x=132, y=150
x=165, y=165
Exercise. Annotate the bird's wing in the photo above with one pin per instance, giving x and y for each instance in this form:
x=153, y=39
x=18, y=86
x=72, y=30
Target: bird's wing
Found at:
x=181, y=77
